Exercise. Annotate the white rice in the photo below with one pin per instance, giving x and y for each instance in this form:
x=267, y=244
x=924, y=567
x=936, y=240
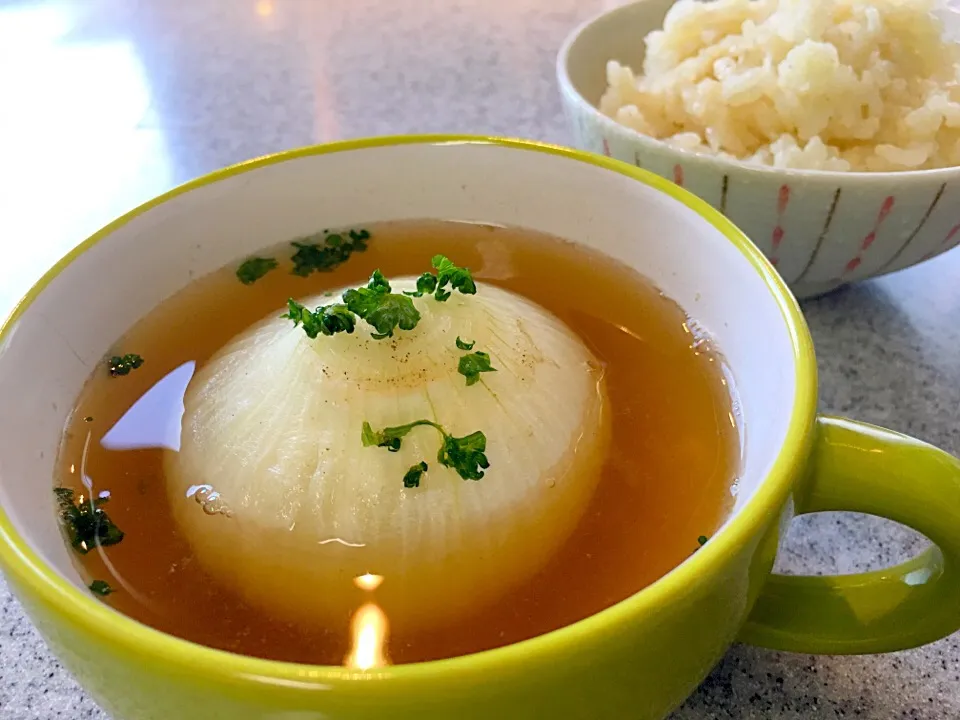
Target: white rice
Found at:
x=817, y=84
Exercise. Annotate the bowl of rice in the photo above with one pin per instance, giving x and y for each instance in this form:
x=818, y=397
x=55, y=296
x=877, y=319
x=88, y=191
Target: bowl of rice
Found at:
x=827, y=130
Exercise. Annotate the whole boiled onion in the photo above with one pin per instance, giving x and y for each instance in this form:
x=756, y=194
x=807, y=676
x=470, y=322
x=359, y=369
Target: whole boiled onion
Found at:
x=294, y=507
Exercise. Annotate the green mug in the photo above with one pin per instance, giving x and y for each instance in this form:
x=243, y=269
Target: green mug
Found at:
x=639, y=658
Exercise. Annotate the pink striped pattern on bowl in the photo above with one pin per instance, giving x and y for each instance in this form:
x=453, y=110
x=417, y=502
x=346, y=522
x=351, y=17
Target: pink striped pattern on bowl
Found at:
x=820, y=229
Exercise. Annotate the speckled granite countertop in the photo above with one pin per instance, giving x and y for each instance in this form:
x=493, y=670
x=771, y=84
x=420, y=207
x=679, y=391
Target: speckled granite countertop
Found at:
x=104, y=103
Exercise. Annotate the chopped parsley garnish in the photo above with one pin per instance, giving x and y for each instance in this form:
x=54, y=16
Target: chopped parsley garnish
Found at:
x=101, y=588
x=123, y=364
x=382, y=309
x=333, y=251
x=326, y=319
x=456, y=277
x=86, y=522
x=412, y=477
x=426, y=284
x=465, y=345
x=473, y=364
x=464, y=455
x=377, y=304
x=254, y=269
x=701, y=541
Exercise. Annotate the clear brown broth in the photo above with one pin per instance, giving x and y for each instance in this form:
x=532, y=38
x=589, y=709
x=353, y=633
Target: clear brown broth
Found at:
x=667, y=480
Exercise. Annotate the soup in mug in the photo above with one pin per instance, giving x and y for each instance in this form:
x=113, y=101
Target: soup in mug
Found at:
x=397, y=443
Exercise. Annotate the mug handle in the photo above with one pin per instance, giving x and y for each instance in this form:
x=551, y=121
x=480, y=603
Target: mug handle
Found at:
x=862, y=468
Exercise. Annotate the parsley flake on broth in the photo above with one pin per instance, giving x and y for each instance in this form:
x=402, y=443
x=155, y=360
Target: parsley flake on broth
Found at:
x=327, y=251
x=101, y=588
x=289, y=425
x=120, y=365
x=255, y=268
x=85, y=522
x=331, y=250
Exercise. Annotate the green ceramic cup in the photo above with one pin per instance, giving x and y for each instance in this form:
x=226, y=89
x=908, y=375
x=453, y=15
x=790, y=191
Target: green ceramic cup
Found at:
x=637, y=659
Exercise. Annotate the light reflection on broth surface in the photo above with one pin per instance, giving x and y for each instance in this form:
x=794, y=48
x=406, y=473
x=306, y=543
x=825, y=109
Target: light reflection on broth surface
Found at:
x=667, y=479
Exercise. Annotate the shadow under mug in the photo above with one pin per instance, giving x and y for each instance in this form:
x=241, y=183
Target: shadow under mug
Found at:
x=639, y=658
